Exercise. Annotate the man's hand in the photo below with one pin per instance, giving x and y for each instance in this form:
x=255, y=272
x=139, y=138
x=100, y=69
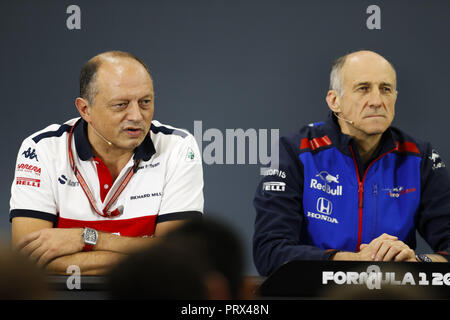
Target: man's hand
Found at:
x=386, y=248
x=47, y=244
x=383, y=248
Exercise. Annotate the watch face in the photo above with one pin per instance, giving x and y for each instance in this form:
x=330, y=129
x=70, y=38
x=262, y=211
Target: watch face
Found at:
x=90, y=236
x=424, y=258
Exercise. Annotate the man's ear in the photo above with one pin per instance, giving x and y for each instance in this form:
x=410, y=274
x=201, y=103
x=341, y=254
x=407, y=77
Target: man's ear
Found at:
x=83, y=108
x=333, y=101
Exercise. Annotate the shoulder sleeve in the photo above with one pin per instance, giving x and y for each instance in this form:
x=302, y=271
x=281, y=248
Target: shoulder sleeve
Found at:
x=279, y=214
x=434, y=212
x=31, y=190
x=183, y=188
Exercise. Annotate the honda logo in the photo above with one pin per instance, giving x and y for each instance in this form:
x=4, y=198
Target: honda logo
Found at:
x=324, y=206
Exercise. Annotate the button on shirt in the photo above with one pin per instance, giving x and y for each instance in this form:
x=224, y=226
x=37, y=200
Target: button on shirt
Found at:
x=167, y=184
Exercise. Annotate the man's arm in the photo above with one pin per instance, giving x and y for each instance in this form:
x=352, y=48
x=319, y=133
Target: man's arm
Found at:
x=433, y=220
x=279, y=218
x=357, y=256
x=100, y=262
x=126, y=245
x=59, y=248
x=384, y=248
x=90, y=263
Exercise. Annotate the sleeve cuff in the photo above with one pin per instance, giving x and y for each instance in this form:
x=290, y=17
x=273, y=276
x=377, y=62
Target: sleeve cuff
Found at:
x=33, y=214
x=330, y=253
x=178, y=216
x=445, y=254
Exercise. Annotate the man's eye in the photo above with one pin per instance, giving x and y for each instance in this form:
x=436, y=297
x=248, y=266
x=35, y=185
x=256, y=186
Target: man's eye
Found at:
x=387, y=89
x=145, y=103
x=363, y=89
x=120, y=105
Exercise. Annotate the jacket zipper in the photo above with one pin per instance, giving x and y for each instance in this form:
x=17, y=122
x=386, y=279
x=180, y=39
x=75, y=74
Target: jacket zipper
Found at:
x=361, y=192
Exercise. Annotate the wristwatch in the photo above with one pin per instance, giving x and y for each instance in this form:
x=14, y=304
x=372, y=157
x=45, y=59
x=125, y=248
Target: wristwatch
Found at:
x=423, y=258
x=90, y=237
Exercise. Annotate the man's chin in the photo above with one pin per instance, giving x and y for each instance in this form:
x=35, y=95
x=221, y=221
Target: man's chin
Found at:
x=376, y=126
x=130, y=144
x=375, y=130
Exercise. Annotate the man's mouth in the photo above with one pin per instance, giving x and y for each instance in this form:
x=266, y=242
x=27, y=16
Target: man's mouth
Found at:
x=133, y=132
x=375, y=116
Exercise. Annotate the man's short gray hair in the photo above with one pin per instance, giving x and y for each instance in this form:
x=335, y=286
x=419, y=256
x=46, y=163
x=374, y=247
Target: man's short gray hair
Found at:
x=335, y=75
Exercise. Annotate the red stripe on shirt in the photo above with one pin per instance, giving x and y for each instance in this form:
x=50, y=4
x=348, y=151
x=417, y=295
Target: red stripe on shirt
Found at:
x=315, y=143
x=407, y=147
x=135, y=227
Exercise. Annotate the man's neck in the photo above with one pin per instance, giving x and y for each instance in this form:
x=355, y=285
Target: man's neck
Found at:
x=114, y=158
x=367, y=144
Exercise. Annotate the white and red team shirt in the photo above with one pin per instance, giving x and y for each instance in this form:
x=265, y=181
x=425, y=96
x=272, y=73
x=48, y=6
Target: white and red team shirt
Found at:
x=167, y=185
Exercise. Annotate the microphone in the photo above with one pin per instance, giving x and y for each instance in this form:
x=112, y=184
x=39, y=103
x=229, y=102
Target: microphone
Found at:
x=98, y=134
x=349, y=121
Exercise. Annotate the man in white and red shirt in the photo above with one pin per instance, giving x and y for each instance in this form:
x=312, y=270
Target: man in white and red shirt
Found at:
x=96, y=188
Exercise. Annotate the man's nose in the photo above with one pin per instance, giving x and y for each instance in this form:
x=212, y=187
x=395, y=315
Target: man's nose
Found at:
x=134, y=111
x=375, y=99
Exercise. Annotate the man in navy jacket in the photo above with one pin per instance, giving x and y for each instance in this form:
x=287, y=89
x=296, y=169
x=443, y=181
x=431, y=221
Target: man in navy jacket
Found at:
x=353, y=187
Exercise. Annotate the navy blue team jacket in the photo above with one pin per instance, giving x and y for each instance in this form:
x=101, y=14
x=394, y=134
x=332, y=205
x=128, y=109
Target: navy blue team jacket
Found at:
x=322, y=198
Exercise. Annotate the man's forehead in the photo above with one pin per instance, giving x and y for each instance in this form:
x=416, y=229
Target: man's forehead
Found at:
x=124, y=75
x=119, y=69
x=370, y=68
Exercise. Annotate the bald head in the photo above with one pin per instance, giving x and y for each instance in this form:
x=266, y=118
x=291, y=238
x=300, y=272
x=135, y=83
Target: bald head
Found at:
x=363, y=59
x=90, y=70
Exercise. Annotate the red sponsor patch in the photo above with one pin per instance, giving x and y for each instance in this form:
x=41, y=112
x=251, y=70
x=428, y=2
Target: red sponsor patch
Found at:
x=28, y=182
x=25, y=167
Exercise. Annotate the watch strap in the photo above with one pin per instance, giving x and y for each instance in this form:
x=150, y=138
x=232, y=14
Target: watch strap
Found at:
x=423, y=258
x=88, y=247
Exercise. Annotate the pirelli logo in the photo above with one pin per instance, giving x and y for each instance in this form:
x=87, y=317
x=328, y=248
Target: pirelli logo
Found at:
x=274, y=186
x=28, y=182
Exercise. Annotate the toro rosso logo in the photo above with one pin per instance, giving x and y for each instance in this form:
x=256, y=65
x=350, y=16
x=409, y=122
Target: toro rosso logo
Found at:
x=398, y=191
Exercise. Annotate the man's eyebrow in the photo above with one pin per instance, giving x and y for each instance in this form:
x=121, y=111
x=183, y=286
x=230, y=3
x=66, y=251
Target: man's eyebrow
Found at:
x=364, y=83
x=367, y=83
x=120, y=99
x=150, y=95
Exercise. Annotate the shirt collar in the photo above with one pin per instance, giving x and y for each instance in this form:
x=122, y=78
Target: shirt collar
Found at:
x=143, y=152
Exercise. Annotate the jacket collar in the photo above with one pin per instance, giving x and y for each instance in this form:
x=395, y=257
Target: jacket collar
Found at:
x=343, y=141
x=84, y=150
